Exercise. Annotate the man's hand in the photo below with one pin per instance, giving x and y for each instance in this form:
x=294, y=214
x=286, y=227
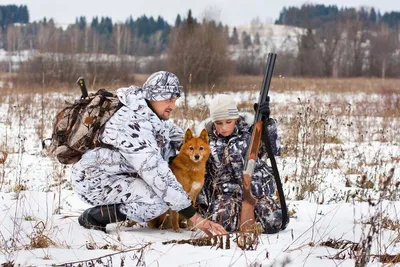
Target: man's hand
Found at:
x=210, y=228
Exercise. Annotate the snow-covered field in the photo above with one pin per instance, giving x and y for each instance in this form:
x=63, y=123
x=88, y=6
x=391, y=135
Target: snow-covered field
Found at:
x=340, y=170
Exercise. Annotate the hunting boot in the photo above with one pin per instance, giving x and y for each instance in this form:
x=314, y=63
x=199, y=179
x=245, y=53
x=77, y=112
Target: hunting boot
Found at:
x=98, y=217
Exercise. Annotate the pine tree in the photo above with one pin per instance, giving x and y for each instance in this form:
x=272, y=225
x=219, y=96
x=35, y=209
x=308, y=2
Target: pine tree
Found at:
x=81, y=22
x=234, y=40
x=178, y=21
x=246, y=40
x=257, y=39
x=373, y=16
x=95, y=23
x=13, y=14
x=226, y=32
x=23, y=14
x=190, y=21
x=220, y=27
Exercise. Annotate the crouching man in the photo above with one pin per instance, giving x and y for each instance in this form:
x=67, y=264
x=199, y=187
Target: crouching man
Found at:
x=129, y=177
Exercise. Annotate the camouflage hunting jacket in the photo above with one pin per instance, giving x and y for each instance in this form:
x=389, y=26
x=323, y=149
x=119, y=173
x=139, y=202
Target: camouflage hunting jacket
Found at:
x=145, y=143
x=225, y=166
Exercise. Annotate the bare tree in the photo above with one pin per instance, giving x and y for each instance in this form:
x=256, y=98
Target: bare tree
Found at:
x=309, y=55
x=46, y=29
x=75, y=37
x=329, y=36
x=86, y=39
x=356, y=34
x=250, y=62
x=199, y=52
x=117, y=37
x=126, y=40
x=14, y=38
x=383, y=45
x=95, y=41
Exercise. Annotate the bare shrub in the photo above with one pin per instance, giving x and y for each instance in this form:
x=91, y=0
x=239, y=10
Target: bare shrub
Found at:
x=286, y=64
x=306, y=142
x=109, y=73
x=3, y=157
x=39, y=239
x=53, y=69
x=199, y=53
x=250, y=64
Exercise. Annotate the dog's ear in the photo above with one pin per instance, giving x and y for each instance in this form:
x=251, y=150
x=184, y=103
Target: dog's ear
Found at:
x=204, y=135
x=188, y=135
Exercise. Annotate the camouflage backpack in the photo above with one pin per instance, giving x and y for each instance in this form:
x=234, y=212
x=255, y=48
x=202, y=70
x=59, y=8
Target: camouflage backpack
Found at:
x=77, y=127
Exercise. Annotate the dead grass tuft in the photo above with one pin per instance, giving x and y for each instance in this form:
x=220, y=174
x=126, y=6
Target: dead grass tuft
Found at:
x=245, y=240
x=18, y=188
x=41, y=241
x=389, y=259
x=3, y=157
x=8, y=264
x=365, y=183
x=333, y=140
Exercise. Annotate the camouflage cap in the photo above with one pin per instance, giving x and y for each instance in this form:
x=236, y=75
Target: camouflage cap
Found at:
x=162, y=85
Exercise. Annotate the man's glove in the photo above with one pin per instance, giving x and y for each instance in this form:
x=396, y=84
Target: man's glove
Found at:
x=264, y=108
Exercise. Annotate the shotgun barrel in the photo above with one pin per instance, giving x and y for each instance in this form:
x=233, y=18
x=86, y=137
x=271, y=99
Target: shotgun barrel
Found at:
x=254, y=147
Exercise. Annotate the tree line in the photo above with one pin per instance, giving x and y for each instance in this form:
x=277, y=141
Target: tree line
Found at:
x=345, y=42
x=310, y=15
x=13, y=14
x=143, y=36
x=331, y=43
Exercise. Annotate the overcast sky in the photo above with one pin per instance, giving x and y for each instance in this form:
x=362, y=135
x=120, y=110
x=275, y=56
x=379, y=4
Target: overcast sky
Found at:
x=231, y=12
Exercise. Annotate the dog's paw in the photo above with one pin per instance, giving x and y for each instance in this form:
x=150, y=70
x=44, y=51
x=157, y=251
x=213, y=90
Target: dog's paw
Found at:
x=178, y=230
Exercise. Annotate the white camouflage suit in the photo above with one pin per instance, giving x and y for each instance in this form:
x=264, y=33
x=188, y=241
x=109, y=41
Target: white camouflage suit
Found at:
x=135, y=171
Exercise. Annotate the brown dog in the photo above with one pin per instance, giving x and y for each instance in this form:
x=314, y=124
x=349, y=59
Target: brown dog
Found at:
x=189, y=168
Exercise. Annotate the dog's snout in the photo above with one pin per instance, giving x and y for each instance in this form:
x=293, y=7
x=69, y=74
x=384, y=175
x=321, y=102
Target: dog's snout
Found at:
x=196, y=157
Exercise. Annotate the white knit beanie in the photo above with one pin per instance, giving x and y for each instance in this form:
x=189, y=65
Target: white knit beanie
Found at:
x=223, y=107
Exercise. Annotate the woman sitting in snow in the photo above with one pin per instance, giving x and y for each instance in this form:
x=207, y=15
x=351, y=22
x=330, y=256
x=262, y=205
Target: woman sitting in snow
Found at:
x=222, y=195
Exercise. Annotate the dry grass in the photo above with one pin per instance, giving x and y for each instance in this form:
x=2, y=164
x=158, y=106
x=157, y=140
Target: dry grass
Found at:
x=322, y=85
x=237, y=83
x=311, y=132
x=3, y=157
x=312, y=125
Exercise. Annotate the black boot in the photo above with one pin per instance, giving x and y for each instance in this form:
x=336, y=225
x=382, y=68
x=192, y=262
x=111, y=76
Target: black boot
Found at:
x=98, y=217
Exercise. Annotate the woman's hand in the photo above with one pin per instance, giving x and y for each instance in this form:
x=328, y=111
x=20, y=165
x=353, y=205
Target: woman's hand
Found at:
x=210, y=228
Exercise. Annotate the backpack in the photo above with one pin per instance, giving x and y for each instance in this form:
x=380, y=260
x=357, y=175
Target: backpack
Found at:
x=78, y=126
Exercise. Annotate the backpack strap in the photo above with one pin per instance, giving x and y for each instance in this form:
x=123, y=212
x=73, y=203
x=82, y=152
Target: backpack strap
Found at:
x=100, y=143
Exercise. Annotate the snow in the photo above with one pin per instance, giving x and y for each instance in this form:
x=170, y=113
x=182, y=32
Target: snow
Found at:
x=273, y=38
x=47, y=206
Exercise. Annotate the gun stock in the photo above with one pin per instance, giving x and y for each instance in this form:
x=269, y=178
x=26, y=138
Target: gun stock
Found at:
x=82, y=85
x=254, y=147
